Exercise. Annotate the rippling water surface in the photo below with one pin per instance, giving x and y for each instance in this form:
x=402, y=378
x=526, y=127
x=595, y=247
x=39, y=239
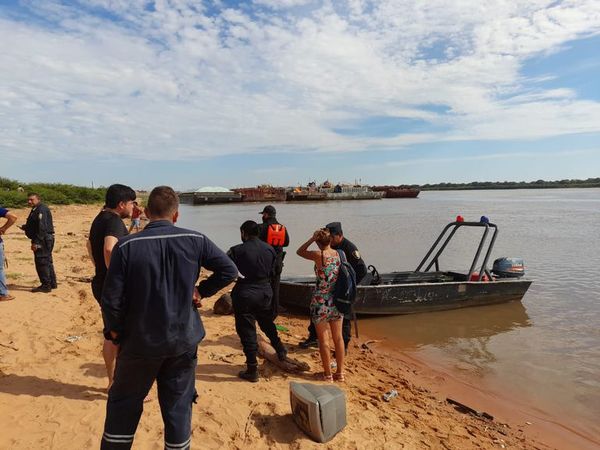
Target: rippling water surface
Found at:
x=545, y=349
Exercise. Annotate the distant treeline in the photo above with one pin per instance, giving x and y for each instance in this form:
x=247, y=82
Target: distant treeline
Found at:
x=539, y=184
x=13, y=194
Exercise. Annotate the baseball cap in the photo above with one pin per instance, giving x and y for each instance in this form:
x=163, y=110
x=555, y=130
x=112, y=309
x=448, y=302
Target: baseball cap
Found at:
x=269, y=209
x=334, y=228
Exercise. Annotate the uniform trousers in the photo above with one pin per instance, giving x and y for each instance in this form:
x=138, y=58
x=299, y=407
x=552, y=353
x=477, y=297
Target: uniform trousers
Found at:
x=44, y=265
x=175, y=379
x=3, y=286
x=275, y=281
x=253, y=303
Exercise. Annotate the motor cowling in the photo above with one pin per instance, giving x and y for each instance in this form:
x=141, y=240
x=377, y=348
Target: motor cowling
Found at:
x=508, y=267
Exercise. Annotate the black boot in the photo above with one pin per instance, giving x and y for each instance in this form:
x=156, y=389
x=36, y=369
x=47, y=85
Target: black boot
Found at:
x=250, y=374
x=309, y=342
x=281, y=352
x=42, y=288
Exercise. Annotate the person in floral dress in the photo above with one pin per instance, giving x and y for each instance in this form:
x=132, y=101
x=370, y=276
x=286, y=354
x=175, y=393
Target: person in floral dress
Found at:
x=323, y=312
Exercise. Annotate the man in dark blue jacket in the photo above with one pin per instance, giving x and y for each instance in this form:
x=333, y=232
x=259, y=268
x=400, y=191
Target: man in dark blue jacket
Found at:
x=147, y=308
x=40, y=229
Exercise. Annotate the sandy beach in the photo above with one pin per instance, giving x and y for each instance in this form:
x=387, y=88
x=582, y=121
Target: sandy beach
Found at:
x=52, y=378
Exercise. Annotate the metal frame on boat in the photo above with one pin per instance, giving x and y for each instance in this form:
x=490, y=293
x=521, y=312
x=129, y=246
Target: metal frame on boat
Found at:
x=424, y=290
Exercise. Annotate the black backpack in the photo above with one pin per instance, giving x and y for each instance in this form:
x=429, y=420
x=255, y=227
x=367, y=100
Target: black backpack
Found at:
x=345, y=286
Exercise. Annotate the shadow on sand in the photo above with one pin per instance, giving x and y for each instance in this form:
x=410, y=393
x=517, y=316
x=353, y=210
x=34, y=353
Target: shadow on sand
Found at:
x=36, y=387
x=279, y=428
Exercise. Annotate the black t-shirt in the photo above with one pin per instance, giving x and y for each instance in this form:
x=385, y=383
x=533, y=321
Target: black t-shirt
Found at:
x=105, y=224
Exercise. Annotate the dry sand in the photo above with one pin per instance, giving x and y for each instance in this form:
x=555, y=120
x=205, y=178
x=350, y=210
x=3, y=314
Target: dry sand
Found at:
x=52, y=392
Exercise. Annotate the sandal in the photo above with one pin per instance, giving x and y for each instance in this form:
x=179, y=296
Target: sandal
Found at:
x=339, y=376
x=327, y=377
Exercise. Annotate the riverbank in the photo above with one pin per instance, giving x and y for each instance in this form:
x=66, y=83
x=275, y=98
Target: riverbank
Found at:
x=52, y=381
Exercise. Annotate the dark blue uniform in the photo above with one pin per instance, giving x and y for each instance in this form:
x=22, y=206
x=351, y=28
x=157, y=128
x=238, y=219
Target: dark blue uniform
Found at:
x=280, y=255
x=40, y=229
x=147, y=300
x=252, y=295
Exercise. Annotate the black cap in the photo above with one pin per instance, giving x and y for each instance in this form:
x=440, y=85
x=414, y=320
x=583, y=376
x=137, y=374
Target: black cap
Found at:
x=270, y=210
x=335, y=228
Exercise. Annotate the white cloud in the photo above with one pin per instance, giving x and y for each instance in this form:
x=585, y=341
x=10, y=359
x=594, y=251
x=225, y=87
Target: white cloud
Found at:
x=180, y=80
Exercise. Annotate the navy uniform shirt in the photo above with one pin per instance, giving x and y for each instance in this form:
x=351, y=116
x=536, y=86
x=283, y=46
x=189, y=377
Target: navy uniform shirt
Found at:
x=147, y=295
x=354, y=258
x=39, y=224
x=254, y=259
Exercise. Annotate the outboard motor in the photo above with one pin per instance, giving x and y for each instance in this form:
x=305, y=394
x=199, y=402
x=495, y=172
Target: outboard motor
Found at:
x=509, y=267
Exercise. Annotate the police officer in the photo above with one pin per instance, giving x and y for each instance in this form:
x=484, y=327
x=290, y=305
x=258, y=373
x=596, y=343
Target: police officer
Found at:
x=40, y=229
x=339, y=242
x=147, y=308
x=276, y=235
x=252, y=296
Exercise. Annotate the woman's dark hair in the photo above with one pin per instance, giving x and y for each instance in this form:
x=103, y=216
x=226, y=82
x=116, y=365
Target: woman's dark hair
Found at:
x=118, y=193
x=249, y=228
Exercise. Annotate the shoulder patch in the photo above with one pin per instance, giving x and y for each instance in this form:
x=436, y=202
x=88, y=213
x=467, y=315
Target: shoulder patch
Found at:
x=40, y=215
x=356, y=254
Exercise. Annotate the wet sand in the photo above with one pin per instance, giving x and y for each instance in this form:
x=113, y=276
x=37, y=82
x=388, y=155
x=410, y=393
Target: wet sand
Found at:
x=52, y=392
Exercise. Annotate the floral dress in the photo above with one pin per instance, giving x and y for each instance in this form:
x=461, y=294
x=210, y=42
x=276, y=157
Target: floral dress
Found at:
x=322, y=308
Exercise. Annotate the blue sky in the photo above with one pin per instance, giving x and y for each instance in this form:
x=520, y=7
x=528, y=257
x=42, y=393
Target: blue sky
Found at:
x=193, y=93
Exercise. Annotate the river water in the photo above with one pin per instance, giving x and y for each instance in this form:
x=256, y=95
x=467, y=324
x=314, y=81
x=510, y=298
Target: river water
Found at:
x=545, y=350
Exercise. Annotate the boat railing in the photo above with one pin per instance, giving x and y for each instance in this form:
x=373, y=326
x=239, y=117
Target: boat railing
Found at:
x=448, y=232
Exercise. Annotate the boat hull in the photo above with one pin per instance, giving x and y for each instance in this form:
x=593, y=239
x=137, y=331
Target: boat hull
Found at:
x=411, y=298
x=262, y=194
x=397, y=191
x=198, y=198
x=305, y=196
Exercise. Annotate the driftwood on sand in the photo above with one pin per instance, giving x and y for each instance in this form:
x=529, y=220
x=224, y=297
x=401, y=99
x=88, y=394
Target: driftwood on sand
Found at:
x=266, y=350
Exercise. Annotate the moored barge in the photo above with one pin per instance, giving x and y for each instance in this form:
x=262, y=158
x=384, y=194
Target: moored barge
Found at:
x=397, y=191
x=209, y=195
x=263, y=193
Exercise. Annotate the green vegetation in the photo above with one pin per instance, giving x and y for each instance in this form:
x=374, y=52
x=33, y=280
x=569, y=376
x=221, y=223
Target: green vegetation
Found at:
x=13, y=194
x=539, y=184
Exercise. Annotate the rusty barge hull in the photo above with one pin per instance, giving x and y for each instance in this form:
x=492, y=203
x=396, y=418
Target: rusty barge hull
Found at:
x=262, y=194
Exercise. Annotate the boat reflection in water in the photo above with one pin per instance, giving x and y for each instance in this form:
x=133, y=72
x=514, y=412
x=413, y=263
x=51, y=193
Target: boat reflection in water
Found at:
x=444, y=328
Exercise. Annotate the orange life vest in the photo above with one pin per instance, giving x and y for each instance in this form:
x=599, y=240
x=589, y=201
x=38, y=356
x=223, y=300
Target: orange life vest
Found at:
x=276, y=235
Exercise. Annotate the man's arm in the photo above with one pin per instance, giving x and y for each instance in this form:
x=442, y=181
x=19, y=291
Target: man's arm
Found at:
x=88, y=246
x=40, y=232
x=113, y=299
x=355, y=260
x=224, y=271
x=10, y=220
x=287, y=238
x=109, y=244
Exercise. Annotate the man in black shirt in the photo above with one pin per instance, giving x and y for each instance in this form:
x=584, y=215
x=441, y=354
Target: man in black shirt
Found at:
x=252, y=296
x=276, y=235
x=339, y=242
x=40, y=229
x=106, y=229
x=147, y=306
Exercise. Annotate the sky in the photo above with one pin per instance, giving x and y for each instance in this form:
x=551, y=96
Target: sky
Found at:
x=238, y=93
